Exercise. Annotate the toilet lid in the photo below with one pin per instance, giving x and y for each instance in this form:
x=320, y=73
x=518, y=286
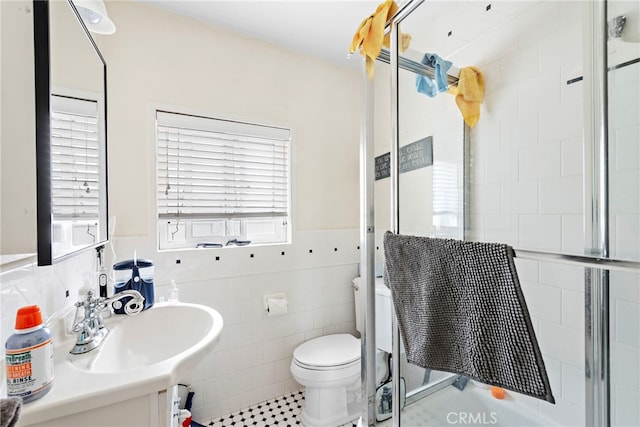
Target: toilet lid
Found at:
x=330, y=350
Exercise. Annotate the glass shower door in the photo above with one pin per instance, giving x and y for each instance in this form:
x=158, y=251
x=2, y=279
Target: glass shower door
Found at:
x=431, y=179
x=518, y=174
x=431, y=154
x=523, y=177
x=623, y=80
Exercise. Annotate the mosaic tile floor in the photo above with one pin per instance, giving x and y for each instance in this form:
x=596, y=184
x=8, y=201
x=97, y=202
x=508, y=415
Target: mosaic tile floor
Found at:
x=282, y=411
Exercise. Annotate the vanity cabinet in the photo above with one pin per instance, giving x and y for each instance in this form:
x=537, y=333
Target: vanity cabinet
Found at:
x=156, y=409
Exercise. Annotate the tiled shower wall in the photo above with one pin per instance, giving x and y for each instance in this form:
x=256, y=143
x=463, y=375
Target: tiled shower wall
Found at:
x=251, y=362
x=624, y=167
x=527, y=187
x=624, y=337
x=527, y=182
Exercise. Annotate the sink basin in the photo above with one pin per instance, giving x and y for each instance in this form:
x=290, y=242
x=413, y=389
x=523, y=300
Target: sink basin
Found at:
x=141, y=356
x=150, y=337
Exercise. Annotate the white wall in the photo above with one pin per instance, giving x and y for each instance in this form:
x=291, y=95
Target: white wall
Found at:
x=158, y=58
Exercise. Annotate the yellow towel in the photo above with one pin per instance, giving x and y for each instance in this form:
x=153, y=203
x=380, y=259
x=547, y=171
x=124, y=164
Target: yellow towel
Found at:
x=469, y=94
x=370, y=34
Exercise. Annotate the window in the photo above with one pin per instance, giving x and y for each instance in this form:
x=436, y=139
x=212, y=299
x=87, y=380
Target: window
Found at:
x=75, y=170
x=447, y=195
x=220, y=182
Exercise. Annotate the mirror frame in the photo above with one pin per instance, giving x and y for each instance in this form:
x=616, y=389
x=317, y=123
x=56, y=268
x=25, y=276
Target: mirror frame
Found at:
x=43, y=94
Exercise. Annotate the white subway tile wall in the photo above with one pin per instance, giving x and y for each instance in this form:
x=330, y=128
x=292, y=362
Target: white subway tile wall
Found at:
x=53, y=288
x=625, y=348
x=251, y=362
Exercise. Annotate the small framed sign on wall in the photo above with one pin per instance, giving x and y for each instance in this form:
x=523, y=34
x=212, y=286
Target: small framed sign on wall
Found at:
x=413, y=156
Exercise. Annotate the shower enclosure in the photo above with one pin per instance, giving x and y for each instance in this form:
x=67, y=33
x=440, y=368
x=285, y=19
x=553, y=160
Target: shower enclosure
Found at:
x=552, y=168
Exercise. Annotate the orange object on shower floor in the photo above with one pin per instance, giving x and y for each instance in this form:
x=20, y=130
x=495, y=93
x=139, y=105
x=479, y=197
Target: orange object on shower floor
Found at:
x=497, y=392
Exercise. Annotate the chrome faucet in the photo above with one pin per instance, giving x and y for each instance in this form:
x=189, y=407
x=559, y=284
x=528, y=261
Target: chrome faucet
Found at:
x=90, y=328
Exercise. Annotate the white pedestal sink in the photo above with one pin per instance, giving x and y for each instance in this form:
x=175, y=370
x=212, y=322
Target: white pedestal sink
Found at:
x=142, y=356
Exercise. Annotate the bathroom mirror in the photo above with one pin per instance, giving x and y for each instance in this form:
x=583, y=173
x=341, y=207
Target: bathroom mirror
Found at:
x=17, y=140
x=71, y=135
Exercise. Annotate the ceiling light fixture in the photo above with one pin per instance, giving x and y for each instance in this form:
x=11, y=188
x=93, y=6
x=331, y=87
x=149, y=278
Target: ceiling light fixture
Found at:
x=95, y=17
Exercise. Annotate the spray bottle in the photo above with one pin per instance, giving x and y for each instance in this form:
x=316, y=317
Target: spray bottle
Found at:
x=29, y=356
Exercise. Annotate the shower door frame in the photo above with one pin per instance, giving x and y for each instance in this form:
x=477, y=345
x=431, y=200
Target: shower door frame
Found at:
x=596, y=215
x=596, y=231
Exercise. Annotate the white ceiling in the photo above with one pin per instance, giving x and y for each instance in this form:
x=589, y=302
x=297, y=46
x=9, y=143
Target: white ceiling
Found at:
x=322, y=28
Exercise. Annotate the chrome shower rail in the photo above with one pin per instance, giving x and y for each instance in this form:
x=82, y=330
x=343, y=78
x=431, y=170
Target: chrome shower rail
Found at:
x=579, y=260
x=395, y=211
x=414, y=67
x=367, y=254
x=432, y=388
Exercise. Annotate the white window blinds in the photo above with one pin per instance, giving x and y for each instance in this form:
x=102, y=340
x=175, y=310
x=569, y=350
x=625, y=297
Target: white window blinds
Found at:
x=447, y=194
x=210, y=168
x=74, y=157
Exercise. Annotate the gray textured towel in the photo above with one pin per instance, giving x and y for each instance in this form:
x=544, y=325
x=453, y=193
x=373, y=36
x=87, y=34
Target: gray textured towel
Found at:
x=10, y=411
x=460, y=309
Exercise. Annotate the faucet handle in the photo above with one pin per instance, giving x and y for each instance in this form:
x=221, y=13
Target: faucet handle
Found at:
x=85, y=333
x=89, y=327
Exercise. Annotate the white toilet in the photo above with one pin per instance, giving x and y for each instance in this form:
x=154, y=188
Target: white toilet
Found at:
x=329, y=366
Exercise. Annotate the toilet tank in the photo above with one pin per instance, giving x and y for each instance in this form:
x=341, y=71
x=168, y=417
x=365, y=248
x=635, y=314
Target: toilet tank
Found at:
x=383, y=312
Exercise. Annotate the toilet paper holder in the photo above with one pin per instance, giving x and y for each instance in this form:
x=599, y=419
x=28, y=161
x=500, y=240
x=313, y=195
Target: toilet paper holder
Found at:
x=275, y=304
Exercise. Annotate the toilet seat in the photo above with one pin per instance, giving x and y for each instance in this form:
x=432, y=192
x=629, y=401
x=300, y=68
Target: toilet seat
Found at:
x=327, y=368
x=329, y=352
